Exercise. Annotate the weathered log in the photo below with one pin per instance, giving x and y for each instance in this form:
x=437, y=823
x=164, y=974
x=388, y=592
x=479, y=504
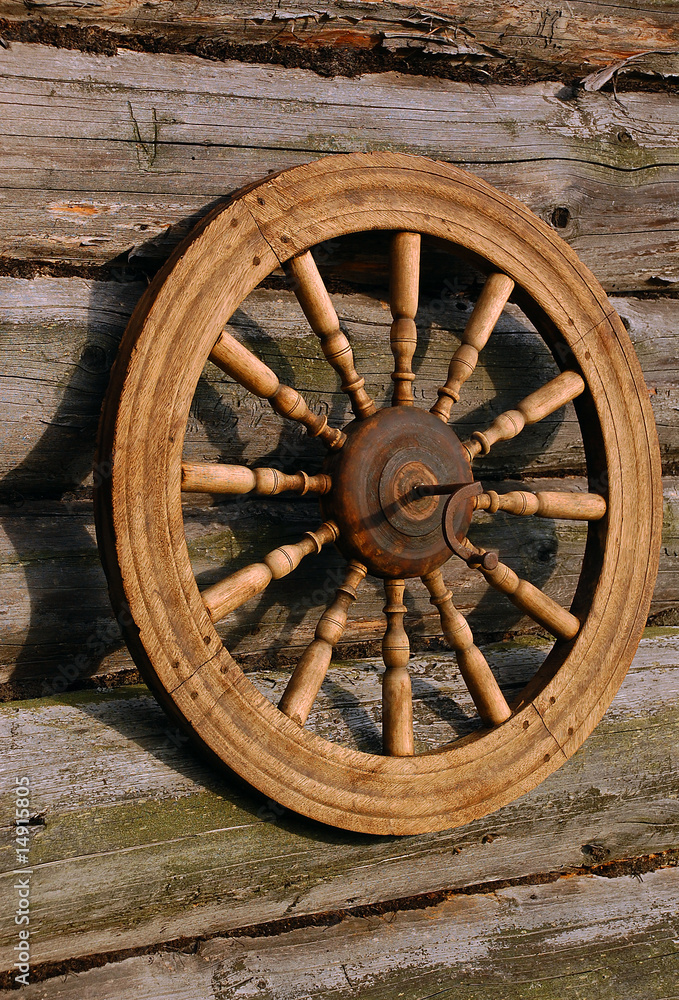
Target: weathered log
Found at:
x=521, y=34
x=124, y=154
x=124, y=801
x=609, y=936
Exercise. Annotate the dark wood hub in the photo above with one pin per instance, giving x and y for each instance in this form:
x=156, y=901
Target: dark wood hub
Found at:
x=382, y=523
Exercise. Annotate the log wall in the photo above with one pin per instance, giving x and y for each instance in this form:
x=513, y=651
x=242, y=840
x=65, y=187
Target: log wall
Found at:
x=123, y=124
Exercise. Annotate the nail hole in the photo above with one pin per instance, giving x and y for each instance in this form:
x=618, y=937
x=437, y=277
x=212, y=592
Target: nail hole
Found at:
x=285, y=239
x=570, y=730
x=546, y=758
x=260, y=201
x=207, y=639
x=256, y=261
x=234, y=223
x=194, y=695
x=552, y=700
x=560, y=217
x=526, y=724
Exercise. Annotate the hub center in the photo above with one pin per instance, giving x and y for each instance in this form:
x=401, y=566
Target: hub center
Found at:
x=382, y=521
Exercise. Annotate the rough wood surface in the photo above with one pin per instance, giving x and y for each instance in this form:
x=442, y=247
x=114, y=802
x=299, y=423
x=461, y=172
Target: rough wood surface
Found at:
x=503, y=33
x=123, y=154
x=138, y=841
x=580, y=936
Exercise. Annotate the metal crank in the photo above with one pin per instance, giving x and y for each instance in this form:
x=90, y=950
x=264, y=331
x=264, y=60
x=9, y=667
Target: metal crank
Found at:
x=460, y=493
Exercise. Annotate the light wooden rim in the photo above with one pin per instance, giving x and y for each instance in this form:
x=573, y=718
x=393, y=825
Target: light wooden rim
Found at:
x=139, y=511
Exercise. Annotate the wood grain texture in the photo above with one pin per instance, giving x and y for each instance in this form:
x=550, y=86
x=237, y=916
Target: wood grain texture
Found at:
x=143, y=842
x=515, y=33
x=615, y=937
x=123, y=154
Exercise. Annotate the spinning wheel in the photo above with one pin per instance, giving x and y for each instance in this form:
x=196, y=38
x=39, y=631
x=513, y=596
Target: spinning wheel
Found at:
x=397, y=493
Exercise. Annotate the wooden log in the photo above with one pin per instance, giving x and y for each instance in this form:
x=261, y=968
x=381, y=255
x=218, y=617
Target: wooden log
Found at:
x=160, y=137
x=520, y=36
x=403, y=297
x=397, y=694
x=59, y=338
x=486, y=313
x=58, y=628
x=126, y=802
x=612, y=936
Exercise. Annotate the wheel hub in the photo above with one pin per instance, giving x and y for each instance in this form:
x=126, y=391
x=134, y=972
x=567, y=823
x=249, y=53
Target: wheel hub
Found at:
x=382, y=522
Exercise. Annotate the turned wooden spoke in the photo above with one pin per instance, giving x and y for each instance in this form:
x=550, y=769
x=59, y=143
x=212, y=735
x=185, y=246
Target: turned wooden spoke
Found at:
x=570, y=506
x=532, y=601
x=405, y=283
x=306, y=680
x=539, y=404
x=476, y=673
x=397, y=696
x=481, y=324
x=227, y=595
x=313, y=297
x=203, y=477
x=242, y=365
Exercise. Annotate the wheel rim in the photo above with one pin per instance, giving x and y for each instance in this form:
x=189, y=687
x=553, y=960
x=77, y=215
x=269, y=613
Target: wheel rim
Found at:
x=139, y=511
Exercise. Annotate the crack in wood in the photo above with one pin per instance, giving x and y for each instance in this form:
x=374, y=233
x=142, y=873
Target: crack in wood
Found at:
x=148, y=148
x=633, y=866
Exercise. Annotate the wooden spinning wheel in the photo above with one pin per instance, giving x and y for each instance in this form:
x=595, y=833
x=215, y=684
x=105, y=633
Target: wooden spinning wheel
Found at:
x=397, y=493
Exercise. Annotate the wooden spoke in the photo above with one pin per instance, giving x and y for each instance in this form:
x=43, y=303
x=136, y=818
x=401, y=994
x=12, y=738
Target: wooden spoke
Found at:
x=405, y=284
x=532, y=601
x=397, y=696
x=203, y=477
x=570, y=506
x=539, y=404
x=227, y=595
x=313, y=664
x=481, y=324
x=476, y=673
x=313, y=297
x=242, y=365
